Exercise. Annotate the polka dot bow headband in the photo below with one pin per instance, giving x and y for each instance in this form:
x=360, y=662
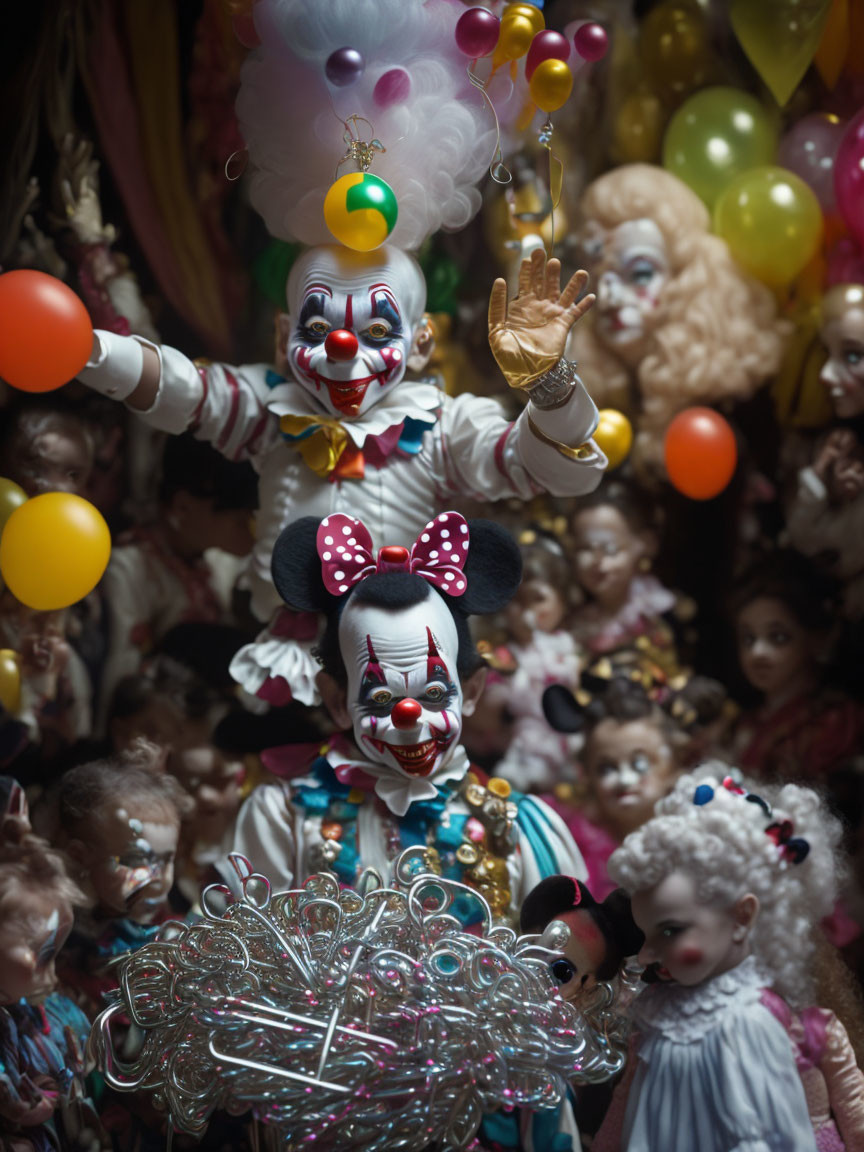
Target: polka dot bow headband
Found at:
x=438, y=555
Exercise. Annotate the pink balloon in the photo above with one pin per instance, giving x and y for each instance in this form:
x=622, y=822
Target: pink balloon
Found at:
x=591, y=42
x=477, y=32
x=808, y=149
x=849, y=177
x=392, y=88
x=546, y=45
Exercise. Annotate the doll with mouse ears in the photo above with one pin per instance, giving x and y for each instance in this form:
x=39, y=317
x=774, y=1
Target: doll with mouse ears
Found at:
x=399, y=669
x=728, y=888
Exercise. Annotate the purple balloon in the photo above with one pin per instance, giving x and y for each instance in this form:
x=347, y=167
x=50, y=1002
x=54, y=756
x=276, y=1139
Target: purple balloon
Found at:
x=392, y=88
x=477, y=32
x=808, y=149
x=546, y=45
x=849, y=177
x=344, y=66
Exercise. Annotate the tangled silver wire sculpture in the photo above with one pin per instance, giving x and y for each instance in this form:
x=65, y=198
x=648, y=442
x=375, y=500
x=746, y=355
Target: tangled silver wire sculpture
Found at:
x=364, y=1019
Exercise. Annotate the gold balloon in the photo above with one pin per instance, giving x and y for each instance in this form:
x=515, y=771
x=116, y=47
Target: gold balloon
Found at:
x=637, y=130
x=613, y=436
x=530, y=12
x=10, y=681
x=551, y=85
x=515, y=37
x=675, y=48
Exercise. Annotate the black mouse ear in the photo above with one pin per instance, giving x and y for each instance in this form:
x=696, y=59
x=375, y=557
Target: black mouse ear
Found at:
x=493, y=568
x=562, y=710
x=616, y=910
x=548, y=899
x=296, y=567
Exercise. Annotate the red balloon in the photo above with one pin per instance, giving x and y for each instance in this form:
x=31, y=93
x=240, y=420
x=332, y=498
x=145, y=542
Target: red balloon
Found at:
x=546, y=45
x=591, y=42
x=45, y=333
x=701, y=453
x=477, y=32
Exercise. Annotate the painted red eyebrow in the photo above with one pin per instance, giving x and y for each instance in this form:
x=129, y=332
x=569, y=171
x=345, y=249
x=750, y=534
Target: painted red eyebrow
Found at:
x=310, y=288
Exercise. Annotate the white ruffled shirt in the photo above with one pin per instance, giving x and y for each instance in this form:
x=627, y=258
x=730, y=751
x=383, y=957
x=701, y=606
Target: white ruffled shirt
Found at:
x=716, y=1071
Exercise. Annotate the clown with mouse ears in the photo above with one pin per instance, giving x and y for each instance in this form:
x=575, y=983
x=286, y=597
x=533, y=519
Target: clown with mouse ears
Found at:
x=400, y=670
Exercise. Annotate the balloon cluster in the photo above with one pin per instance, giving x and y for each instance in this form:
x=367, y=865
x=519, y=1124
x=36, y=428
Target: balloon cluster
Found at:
x=359, y=1019
x=55, y=547
x=521, y=32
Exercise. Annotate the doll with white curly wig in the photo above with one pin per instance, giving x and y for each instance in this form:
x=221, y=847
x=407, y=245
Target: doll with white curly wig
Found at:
x=729, y=888
x=677, y=322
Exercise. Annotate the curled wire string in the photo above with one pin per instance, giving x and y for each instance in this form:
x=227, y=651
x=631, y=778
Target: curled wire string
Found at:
x=545, y=139
x=398, y=1028
x=497, y=168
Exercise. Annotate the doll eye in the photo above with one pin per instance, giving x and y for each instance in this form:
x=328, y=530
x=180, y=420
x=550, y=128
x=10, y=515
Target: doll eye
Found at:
x=670, y=931
x=435, y=692
x=318, y=327
x=562, y=971
x=378, y=330
x=642, y=272
x=779, y=638
x=853, y=355
x=641, y=763
x=381, y=696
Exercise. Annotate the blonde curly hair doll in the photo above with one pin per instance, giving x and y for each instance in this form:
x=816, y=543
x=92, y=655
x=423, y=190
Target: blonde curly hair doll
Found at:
x=677, y=322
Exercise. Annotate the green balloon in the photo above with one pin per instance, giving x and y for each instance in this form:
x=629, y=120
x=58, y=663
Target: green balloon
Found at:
x=715, y=136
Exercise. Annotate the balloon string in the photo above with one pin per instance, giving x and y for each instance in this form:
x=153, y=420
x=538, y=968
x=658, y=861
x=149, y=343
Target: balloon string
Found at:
x=556, y=179
x=497, y=169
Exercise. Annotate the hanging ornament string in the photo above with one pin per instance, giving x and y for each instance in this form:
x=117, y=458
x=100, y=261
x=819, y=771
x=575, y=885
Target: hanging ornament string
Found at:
x=556, y=178
x=497, y=169
x=235, y=165
x=362, y=152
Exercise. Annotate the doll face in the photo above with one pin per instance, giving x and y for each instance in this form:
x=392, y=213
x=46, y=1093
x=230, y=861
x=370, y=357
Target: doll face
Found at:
x=213, y=782
x=630, y=272
x=130, y=858
x=846, y=478
x=689, y=940
x=630, y=767
x=537, y=607
x=775, y=651
x=843, y=373
x=404, y=693
x=32, y=932
x=576, y=970
x=607, y=553
x=352, y=329
x=55, y=461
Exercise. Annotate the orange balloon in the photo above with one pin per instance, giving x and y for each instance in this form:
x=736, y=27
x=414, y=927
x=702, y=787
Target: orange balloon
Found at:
x=701, y=453
x=45, y=331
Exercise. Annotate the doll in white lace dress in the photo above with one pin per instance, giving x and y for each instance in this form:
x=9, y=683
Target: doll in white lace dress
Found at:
x=728, y=892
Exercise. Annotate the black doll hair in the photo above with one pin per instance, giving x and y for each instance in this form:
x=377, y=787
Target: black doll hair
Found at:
x=809, y=594
x=492, y=570
x=557, y=895
x=190, y=465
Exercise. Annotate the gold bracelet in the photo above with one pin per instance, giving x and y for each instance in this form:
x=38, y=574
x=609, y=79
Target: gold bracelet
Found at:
x=581, y=452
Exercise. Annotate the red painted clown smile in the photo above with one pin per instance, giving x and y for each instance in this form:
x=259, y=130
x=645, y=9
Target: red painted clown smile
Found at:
x=415, y=759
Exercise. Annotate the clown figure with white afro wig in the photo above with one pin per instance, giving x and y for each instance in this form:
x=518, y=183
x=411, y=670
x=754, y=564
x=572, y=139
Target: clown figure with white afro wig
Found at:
x=728, y=888
x=353, y=427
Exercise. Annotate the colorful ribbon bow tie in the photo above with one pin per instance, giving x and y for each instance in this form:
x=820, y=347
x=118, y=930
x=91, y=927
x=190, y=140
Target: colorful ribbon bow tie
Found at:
x=438, y=555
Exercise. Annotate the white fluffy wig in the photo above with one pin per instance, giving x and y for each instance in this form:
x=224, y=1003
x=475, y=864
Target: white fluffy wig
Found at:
x=439, y=138
x=723, y=845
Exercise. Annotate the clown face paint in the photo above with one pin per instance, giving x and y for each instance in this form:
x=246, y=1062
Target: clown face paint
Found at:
x=403, y=689
x=132, y=866
x=353, y=320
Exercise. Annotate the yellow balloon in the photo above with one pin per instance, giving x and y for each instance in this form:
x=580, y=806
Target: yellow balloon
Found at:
x=11, y=497
x=515, y=37
x=530, y=11
x=780, y=37
x=551, y=85
x=637, y=130
x=10, y=680
x=54, y=550
x=772, y=222
x=613, y=436
x=675, y=48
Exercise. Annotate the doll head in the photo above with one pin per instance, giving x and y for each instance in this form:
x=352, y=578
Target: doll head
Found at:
x=399, y=664
x=206, y=500
x=47, y=449
x=120, y=823
x=541, y=599
x=612, y=543
x=676, y=321
x=721, y=873
x=782, y=609
x=632, y=751
x=601, y=935
x=842, y=332
x=36, y=904
x=354, y=325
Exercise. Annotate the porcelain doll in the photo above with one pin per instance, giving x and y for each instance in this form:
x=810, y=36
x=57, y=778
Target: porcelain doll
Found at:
x=544, y=653
x=826, y=515
x=43, y=1035
x=351, y=428
x=783, y=616
x=842, y=333
x=677, y=322
x=727, y=888
x=47, y=448
x=399, y=669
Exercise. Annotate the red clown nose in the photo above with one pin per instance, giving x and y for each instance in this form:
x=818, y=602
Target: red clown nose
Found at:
x=340, y=345
x=406, y=713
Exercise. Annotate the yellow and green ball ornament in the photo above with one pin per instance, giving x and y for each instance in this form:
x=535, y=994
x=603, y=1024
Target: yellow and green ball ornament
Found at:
x=360, y=210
